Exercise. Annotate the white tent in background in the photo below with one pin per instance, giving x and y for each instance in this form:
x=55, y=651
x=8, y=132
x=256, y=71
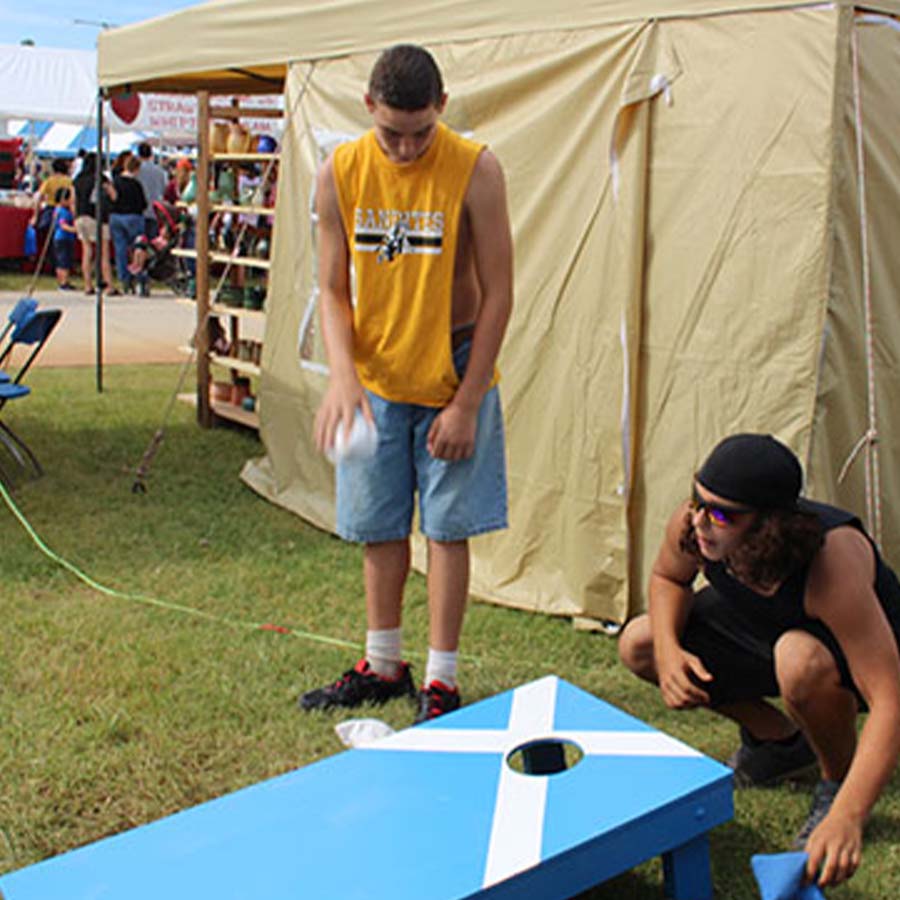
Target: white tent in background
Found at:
x=49, y=86
x=47, y=83
x=67, y=138
x=51, y=94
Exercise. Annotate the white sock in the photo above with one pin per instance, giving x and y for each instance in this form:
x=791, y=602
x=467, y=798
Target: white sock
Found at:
x=441, y=666
x=384, y=651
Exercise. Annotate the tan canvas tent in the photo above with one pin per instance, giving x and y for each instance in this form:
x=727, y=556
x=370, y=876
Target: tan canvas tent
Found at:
x=700, y=248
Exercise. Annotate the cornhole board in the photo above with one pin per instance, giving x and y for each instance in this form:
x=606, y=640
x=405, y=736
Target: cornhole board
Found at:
x=431, y=812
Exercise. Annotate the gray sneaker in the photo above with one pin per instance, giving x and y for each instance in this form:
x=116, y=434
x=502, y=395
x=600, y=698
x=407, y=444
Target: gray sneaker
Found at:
x=757, y=763
x=823, y=797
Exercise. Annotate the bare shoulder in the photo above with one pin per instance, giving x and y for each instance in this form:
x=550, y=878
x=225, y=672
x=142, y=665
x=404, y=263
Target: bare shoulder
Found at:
x=325, y=175
x=487, y=184
x=846, y=553
x=326, y=193
x=844, y=567
x=487, y=165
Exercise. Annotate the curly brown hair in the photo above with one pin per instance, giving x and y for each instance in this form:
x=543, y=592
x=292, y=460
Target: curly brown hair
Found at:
x=777, y=544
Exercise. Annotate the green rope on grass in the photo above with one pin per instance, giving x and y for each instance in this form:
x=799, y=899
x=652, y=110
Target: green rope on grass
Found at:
x=153, y=601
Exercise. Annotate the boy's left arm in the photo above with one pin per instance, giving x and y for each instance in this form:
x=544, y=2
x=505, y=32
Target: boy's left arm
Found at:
x=452, y=435
x=841, y=593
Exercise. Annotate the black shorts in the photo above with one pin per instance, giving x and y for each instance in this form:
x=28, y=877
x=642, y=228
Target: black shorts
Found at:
x=62, y=253
x=738, y=650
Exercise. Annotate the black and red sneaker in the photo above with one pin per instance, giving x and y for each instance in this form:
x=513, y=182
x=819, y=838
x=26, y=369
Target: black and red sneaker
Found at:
x=435, y=699
x=360, y=685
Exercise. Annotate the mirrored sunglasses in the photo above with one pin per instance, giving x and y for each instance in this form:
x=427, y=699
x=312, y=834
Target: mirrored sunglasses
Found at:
x=719, y=515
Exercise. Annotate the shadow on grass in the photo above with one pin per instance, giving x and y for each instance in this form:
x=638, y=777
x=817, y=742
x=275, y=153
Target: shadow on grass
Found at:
x=628, y=886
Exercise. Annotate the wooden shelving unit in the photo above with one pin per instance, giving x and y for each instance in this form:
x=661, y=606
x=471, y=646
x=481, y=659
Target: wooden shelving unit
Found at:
x=253, y=262
x=240, y=312
x=244, y=157
x=226, y=411
x=234, y=318
x=247, y=210
x=232, y=362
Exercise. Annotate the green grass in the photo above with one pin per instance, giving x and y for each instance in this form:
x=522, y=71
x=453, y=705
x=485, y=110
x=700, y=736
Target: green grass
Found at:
x=114, y=713
x=12, y=280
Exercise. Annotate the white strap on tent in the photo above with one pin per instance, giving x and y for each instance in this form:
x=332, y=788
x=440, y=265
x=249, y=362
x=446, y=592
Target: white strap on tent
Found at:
x=625, y=413
x=869, y=440
x=874, y=19
x=659, y=84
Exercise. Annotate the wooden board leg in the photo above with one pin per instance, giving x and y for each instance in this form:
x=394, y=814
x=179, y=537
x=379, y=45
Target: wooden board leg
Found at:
x=686, y=870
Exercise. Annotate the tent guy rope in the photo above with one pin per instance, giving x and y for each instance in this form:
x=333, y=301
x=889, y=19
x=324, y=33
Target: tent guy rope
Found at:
x=869, y=440
x=242, y=624
x=153, y=601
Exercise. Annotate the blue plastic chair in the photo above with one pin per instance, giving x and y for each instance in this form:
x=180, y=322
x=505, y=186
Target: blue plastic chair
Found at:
x=18, y=315
x=33, y=331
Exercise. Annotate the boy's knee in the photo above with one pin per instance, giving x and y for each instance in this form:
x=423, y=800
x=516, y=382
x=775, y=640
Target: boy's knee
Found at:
x=636, y=647
x=804, y=668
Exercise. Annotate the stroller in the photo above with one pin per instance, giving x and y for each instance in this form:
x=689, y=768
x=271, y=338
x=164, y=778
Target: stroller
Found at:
x=154, y=256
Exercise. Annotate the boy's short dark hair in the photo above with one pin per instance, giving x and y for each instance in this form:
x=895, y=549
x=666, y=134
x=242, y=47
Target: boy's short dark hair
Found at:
x=61, y=166
x=406, y=77
x=145, y=151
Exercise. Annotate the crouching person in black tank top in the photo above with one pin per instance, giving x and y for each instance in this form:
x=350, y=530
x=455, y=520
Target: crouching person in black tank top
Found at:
x=799, y=604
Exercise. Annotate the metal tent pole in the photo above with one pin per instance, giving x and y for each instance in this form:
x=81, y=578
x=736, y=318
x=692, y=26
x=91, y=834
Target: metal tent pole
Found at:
x=98, y=250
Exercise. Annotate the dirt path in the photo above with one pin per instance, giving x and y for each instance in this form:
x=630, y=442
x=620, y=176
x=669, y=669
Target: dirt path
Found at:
x=135, y=329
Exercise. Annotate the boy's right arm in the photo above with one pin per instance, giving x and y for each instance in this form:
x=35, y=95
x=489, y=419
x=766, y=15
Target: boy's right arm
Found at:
x=345, y=393
x=669, y=602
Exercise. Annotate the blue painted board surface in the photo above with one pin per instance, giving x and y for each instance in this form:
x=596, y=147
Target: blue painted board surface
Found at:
x=433, y=811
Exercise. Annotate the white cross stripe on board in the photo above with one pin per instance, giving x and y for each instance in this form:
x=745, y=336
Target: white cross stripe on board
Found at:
x=518, y=824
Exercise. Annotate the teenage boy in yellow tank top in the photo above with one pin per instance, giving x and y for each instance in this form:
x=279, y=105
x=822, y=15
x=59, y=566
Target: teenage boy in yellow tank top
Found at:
x=421, y=214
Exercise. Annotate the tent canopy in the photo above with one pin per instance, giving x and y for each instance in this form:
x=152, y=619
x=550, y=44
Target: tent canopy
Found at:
x=245, y=46
x=685, y=205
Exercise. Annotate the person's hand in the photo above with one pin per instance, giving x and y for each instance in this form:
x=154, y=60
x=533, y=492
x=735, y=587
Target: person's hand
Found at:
x=835, y=849
x=452, y=433
x=680, y=674
x=338, y=408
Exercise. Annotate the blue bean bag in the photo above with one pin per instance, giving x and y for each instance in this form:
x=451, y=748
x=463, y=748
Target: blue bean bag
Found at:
x=780, y=877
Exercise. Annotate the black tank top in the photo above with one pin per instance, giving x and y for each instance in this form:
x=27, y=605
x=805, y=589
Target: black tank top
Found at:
x=785, y=609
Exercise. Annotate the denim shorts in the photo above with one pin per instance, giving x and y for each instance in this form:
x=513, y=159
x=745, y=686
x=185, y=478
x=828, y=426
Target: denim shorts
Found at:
x=457, y=500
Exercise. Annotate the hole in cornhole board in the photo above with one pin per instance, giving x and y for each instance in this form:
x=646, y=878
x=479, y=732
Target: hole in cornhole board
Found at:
x=547, y=756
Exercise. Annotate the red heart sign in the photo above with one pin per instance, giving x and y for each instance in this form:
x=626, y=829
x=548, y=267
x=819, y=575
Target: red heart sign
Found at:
x=126, y=107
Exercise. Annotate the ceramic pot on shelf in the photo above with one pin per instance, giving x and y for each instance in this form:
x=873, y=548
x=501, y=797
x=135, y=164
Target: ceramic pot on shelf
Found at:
x=239, y=138
x=218, y=137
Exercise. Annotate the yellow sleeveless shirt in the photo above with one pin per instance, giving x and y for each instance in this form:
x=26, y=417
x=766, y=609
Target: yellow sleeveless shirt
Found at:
x=402, y=225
